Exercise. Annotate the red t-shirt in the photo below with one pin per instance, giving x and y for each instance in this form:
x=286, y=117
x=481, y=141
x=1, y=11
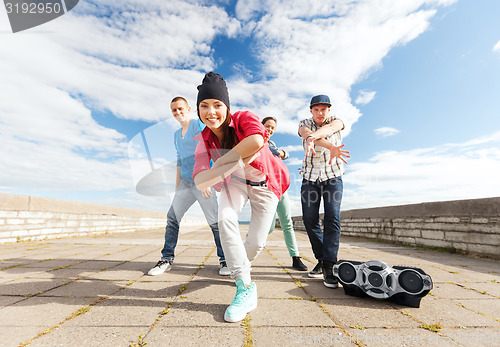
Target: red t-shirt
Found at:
x=245, y=124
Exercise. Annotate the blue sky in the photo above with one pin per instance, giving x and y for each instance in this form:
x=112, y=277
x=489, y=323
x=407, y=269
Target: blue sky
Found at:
x=416, y=83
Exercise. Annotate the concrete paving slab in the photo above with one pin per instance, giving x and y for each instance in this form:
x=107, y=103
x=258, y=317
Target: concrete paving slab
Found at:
x=86, y=288
x=120, y=312
x=69, y=273
x=366, y=313
x=97, y=265
x=179, y=273
x=16, y=262
x=130, y=303
x=6, y=279
x=216, y=290
x=480, y=337
x=281, y=289
x=52, y=264
x=276, y=312
x=316, y=289
x=300, y=336
x=43, y=313
x=14, y=336
x=141, y=289
x=484, y=306
x=445, y=290
x=492, y=288
x=185, y=313
x=30, y=286
x=18, y=272
x=9, y=300
x=395, y=337
x=116, y=275
x=196, y=336
x=446, y=313
x=110, y=336
x=135, y=265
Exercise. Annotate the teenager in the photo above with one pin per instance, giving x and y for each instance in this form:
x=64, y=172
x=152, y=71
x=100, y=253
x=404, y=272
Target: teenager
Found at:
x=244, y=170
x=284, y=210
x=186, y=193
x=322, y=170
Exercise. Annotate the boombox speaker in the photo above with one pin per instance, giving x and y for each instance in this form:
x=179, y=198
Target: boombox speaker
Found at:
x=400, y=284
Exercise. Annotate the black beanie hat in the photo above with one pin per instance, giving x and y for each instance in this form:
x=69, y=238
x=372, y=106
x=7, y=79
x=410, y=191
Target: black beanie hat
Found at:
x=213, y=87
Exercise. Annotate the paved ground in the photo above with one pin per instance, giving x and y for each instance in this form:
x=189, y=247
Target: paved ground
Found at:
x=93, y=291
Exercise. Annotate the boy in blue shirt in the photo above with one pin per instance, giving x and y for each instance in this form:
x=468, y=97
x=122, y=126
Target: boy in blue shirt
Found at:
x=186, y=192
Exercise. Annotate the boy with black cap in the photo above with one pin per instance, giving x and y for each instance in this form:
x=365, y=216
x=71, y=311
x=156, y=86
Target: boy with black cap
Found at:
x=322, y=170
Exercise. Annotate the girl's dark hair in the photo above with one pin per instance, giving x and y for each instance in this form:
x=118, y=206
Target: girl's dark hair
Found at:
x=229, y=139
x=268, y=118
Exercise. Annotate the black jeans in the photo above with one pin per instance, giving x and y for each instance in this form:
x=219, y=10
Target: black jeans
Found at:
x=325, y=245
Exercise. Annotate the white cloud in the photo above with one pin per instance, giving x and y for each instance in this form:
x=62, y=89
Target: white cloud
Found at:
x=293, y=148
x=307, y=48
x=496, y=47
x=386, y=131
x=448, y=172
x=365, y=97
x=293, y=161
x=130, y=58
x=123, y=58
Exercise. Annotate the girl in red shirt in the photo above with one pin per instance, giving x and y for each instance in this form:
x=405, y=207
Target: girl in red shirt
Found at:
x=244, y=170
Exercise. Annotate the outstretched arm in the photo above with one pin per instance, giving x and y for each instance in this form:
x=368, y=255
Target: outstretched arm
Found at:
x=215, y=174
x=243, y=153
x=244, y=149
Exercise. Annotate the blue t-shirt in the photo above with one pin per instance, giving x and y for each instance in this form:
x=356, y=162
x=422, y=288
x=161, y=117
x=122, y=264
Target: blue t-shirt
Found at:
x=186, y=147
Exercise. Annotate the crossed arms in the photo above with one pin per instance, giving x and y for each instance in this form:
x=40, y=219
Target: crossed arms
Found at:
x=241, y=154
x=318, y=137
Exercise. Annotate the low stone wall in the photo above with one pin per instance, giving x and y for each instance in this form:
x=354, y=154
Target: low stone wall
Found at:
x=34, y=218
x=469, y=226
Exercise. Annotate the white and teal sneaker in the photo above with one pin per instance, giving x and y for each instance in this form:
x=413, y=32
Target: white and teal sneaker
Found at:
x=244, y=301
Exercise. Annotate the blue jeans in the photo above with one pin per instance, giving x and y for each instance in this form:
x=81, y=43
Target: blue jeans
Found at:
x=185, y=196
x=325, y=245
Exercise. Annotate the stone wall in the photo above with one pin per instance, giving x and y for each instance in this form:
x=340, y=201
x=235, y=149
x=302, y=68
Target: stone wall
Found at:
x=469, y=226
x=33, y=218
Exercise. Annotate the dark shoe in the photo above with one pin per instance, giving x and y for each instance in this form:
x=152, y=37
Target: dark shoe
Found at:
x=329, y=280
x=297, y=264
x=317, y=272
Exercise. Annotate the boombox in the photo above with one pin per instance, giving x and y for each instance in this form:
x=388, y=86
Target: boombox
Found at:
x=400, y=284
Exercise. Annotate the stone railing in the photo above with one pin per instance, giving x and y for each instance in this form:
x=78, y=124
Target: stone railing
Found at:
x=33, y=218
x=469, y=226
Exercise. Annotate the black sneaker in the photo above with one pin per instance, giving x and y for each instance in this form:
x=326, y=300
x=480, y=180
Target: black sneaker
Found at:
x=317, y=272
x=297, y=264
x=329, y=280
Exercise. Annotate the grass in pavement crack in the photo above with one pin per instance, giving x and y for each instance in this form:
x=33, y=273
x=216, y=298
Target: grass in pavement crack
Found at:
x=140, y=342
x=248, y=331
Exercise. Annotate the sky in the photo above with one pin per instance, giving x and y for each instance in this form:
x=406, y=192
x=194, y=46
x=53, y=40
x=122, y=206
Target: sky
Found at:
x=416, y=82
